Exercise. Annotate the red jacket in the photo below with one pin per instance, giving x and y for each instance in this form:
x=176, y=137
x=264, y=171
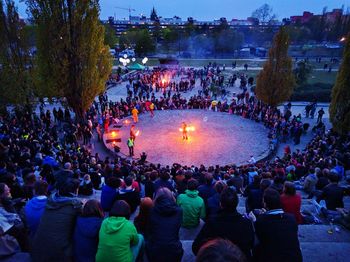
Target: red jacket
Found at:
x=292, y=204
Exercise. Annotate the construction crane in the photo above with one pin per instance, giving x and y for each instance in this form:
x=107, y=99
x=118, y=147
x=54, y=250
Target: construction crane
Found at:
x=128, y=9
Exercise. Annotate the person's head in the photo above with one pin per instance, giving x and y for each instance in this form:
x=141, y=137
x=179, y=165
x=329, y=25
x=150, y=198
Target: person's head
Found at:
x=219, y=186
x=208, y=179
x=229, y=199
x=220, y=250
x=162, y=194
x=146, y=205
x=41, y=188
x=68, y=166
x=192, y=184
x=289, y=188
x=271, y=199
x=265, y=183
x=128, y=181
x=113, y=182
x=333, y=177
x=69, y=188
x=5, y=191
x=92, y=208
x=120, y=208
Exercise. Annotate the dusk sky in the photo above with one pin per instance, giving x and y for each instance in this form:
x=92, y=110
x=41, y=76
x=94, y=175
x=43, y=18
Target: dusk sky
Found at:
x=210, y=9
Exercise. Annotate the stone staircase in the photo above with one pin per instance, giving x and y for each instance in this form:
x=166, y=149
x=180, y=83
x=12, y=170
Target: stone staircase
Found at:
x=315, y=241
x=317, y=244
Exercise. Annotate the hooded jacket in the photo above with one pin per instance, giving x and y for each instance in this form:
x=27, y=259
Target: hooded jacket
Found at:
x=164, y=225
x=193, y=208
x=54, y=238
x=116, y=236
x=86, y=238
x=33, y=211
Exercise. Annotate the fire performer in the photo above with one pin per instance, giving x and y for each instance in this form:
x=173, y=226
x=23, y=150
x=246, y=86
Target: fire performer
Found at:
x=132, y=132
x=184, y=131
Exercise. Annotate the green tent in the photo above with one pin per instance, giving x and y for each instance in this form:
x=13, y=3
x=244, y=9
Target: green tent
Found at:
x=136, y=66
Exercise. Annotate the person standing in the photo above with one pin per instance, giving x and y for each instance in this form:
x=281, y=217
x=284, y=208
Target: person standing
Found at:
x=184, y=131
x=130, y=144
x=151, y=109
x=135, y=113
x=320, y=115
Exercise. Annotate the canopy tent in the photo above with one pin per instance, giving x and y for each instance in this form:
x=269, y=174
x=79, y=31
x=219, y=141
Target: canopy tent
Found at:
x=136, y=66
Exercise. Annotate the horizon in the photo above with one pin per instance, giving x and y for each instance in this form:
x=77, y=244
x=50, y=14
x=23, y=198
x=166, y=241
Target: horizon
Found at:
x=208, y=10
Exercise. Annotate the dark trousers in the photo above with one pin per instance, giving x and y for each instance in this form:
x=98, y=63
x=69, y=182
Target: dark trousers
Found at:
x=131, y=150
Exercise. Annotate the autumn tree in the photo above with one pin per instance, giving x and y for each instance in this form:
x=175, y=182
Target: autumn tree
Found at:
x=339, y=109
x=72, y=59
x=275, y=82
x=16, y=85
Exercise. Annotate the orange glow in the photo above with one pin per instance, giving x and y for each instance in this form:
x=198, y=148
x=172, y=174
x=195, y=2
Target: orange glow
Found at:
x=189, y=128
x=114, y=134
x=126, y=121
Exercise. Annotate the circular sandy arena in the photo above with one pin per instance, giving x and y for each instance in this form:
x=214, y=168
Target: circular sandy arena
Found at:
x=218, y=139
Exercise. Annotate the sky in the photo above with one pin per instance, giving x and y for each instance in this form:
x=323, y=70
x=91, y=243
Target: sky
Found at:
x=209, y=9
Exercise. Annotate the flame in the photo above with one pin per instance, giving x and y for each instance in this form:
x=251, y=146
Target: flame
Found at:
x=188, y=128
x=114, y=134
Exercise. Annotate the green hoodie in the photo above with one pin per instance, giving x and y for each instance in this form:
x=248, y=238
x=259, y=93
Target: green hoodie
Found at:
x=193, y=208
x=116, y=236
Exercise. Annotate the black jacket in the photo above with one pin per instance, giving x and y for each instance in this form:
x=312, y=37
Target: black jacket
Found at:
x=131, y=197
x=228, y=225
x=278, y=238
x=163, y=239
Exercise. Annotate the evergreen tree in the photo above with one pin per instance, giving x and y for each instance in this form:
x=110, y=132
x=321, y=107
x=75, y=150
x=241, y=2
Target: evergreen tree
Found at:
x=73, y=60
x=339, y=109
x=16, y=67
x=276, y=81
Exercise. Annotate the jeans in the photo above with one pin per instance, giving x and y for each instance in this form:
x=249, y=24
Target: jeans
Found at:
x=136, y=249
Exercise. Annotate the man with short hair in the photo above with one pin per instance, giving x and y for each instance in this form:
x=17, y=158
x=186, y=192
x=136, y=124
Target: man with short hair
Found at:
x=192, y=205
x=227, y=224
x=129, y=194
x=277, y=232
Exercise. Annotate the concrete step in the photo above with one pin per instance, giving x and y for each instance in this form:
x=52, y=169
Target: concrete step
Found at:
x=319, y=233
x=325, y=251
x=311, y=251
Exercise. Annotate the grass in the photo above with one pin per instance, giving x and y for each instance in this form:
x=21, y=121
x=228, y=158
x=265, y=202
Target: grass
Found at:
x=319, y=84
x=228, y=62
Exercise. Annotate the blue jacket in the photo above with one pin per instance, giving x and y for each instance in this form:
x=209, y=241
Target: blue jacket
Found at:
x=108, y=196
x=33, y=211
x=86, y=238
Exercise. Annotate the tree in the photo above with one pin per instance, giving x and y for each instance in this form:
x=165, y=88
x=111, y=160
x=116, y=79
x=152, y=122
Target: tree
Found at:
x=72, y=59
x=302, y=72
x=339, y=109
x=140, y=39
x=16, y=67
x=275, y=82
x=110, y=37
x=264, y=14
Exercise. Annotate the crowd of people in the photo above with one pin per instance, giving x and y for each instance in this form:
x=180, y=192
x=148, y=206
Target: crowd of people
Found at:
x=48, y=170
